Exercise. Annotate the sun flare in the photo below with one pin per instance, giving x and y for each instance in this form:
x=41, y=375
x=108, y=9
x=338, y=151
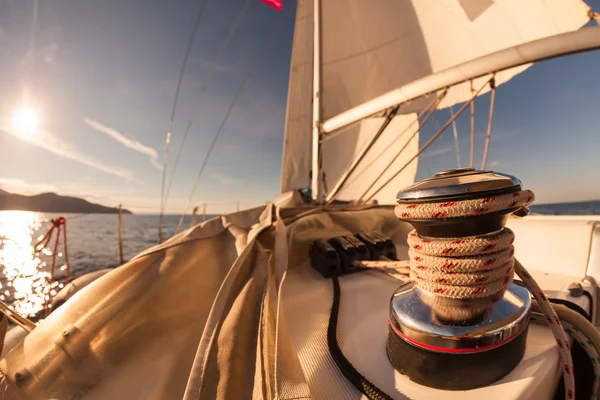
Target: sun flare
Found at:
x=25, y=122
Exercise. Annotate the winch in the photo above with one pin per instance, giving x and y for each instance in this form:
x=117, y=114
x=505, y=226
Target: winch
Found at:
x=462, y=323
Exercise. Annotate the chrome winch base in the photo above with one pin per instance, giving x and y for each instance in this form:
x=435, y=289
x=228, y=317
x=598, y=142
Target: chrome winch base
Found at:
x=476, y=346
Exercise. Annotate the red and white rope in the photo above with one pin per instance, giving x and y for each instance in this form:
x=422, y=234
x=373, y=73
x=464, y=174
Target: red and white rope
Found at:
x=555, y=326
x=463, y=268
x=472, y=269
x=594, y=16
x=593, y=353
x=463, y=208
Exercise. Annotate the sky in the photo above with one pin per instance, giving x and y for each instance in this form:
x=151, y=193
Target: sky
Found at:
x=103, y=76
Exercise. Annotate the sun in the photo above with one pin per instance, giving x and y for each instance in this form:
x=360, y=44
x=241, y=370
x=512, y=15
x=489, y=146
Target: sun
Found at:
x=25, y=122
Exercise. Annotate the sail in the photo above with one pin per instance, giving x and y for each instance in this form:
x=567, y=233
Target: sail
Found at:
x=370, y=48
x=295, y=168
x=400, y=137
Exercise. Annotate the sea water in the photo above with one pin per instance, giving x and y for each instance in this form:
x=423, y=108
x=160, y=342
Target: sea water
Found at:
x=92, y=245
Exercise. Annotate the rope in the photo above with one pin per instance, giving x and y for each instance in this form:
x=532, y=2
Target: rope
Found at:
x=44, y=221
x=172, y=118
x=556, y=327
x=17, y=318
x=454, y=209
x=220, y=203
x=57, y=223
x=259, y=57
x=462, y=269
x=362, y=153
x=205, y=84
x=580, y=330
x=575, y=333
x=356, y=378
x=479, y=267
x=78, y=216
x=594, y=16
x=421, y=150
x=490, y=120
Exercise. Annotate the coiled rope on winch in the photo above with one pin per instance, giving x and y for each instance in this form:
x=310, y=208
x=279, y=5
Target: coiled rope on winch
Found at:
x=477, y=267
x=462, y=269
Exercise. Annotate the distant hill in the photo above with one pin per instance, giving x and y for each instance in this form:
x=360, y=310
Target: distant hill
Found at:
x=52, y=203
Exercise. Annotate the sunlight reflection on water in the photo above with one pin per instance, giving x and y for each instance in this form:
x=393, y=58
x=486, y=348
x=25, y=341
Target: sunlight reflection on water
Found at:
x=92, y=246
x=26, y=276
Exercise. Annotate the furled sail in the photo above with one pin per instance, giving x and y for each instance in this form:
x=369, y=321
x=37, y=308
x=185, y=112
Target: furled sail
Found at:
x=369, y=48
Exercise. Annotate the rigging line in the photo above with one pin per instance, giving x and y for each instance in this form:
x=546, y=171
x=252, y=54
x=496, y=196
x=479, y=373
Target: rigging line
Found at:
x=17, y=318
x=455, y=131
x=177, y=90
x=325, y=137
x=490, y=120
x=259, y=55
x=329, y=136
x=44, y=221
x=335, y=191
x=430, y=141
x=205, y=84
x=472, y=158
x=177, y=210
x=432, y=105
x=594, y=16
x=393, y=160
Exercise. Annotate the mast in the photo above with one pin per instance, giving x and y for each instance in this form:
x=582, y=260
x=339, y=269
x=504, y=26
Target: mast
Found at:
x=316, y=112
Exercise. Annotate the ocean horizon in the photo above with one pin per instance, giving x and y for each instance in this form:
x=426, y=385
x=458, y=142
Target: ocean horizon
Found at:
x=93, y=245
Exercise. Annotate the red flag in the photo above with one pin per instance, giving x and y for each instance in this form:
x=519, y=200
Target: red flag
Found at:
x=276, y=4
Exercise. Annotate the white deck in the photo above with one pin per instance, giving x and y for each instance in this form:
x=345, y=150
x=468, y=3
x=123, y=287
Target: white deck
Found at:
x=363, y=330
x=556, y=250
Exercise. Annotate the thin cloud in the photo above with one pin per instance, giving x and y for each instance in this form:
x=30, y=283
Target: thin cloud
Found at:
x=437, y=152
x=208, y=64
x=19, y=186
x=125, y=141
x=224, y=179
x=53, y=144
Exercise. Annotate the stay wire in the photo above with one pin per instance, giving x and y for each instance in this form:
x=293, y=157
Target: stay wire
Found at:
x=173, y=110
x=430, y=113
x=429, y=110
x=455, y=132
x=205, y=84
x=488, y=137
x=472, y=148
x=429, y=142
x=259, y=56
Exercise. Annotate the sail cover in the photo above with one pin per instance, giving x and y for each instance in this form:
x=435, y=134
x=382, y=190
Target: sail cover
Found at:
x=371, y=47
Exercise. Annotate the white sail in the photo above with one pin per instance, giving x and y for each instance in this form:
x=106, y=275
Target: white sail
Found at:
x=338, y=152
x=296, y=146
x=370, y=48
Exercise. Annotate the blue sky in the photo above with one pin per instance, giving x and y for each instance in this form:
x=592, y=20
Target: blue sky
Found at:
x=96, y=67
